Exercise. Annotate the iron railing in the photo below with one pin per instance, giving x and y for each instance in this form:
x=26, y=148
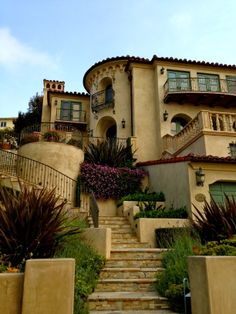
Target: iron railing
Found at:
x=101, y=100
x=37, y=173
x=94, y=210
x=199, y=85
x=71, y=115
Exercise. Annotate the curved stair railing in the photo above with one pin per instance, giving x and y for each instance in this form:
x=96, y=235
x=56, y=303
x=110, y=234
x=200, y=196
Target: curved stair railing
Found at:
x=37, y=173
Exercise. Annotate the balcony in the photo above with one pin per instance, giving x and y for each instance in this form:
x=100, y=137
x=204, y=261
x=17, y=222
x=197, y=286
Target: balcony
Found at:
x=102, y=99
x=206, y=123
x=218, y=92
x=71, y=116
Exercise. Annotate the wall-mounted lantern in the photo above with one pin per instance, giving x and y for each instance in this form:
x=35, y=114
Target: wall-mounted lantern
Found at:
x=165, y=115
x=162, y=70
x=200, y=177
x=123, y=123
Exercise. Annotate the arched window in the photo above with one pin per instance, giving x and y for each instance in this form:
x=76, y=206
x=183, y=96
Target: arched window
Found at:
x=178, y=123
x=108, y=94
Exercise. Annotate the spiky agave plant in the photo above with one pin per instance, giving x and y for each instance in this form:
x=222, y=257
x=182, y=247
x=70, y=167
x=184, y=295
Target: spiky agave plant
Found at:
x=32, y=222
x=110, y=153
x=216, y=221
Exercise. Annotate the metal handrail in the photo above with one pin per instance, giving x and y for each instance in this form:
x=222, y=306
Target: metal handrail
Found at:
x=94, y=210
x=37, y=173
x=100, y=100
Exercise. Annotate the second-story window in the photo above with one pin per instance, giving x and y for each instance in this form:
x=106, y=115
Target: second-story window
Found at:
x=231, y=83
x=70, y=111
x=108, y=94
x=208, y=82
x=178, y=81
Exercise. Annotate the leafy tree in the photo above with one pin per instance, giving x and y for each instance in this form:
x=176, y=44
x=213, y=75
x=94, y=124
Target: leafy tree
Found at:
x=32, y=116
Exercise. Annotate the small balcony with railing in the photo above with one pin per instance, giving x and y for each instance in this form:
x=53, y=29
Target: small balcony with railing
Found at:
x=220, y=126
x=71, y=116
x=102, y=99
x=200, y=91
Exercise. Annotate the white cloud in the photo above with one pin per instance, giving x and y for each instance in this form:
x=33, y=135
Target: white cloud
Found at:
x=14, y=53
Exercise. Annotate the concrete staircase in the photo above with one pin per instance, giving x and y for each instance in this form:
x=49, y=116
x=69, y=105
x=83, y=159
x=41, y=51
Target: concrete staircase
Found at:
x=126, y=284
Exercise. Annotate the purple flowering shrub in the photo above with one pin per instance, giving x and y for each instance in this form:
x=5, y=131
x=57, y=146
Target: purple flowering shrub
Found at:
x=109, y=182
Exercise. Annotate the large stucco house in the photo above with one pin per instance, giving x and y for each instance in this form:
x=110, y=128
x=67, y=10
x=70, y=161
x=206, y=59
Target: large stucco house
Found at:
x=180, y=116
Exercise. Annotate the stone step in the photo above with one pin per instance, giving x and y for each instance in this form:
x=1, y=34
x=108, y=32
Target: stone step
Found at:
x=125, y=285
x=123, y=231
x=122, y=237
x=134, y=312
x=120, y=245
x=111, y=219
x=131, y=273
x=115, y=226
x=115, y=235
x=118, y=301
x=134, y=262
x=136, y=253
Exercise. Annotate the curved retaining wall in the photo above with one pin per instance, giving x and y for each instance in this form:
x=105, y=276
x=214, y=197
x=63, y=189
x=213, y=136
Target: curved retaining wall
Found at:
x=62, y=157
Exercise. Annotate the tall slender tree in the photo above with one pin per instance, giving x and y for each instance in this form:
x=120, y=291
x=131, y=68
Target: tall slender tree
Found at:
x=32, y=116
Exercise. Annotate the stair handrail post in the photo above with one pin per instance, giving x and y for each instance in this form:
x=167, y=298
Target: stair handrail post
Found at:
x=94, y=209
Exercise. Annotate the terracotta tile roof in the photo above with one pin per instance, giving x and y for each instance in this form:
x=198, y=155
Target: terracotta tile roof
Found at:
x=130, y=59
x=190, y=157
x=68, y=93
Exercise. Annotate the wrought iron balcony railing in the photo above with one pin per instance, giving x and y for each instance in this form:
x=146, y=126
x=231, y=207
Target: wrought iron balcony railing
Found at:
x=71, y=115
x=102, y=99
x=198, y=90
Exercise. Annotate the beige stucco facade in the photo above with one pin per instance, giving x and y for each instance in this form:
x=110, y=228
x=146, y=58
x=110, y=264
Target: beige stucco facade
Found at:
x=169, y=108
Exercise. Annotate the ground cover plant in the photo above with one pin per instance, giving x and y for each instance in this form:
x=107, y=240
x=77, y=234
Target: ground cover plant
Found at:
x=170, y=281
x=33, y=222
x=88, y=265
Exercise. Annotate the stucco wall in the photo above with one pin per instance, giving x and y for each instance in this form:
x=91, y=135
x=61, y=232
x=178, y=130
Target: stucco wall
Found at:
x=172, y=179
x=62, y=157
x=213, y=172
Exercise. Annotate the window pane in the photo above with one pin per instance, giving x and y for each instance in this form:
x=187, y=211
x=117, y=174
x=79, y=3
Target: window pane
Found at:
x=208, y=82
x=231, y=84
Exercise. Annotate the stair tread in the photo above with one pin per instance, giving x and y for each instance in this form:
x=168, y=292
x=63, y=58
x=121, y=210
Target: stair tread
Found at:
x=120, y=295
x=134, y=312
x=140, y=280
x=144, y=269
x=149, y=250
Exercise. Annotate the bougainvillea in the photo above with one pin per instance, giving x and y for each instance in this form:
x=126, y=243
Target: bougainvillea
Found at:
x=109, y=182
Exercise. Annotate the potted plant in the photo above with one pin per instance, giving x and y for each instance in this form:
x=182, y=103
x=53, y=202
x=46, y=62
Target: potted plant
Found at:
x=51, y=136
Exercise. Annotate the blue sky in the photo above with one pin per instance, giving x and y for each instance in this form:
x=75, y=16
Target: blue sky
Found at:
x=61, y=39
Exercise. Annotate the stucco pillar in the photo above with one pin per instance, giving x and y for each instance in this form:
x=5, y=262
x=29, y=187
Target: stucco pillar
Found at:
x=49, y=286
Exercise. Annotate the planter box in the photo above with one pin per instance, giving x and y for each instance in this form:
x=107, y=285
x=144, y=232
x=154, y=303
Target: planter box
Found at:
x=212, y=284
x=47, y=286
x=11, y=292
x=107, y=207
x=145, y=227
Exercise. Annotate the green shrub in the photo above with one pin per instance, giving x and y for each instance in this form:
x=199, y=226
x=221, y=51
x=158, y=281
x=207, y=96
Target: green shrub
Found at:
x=216, y=221
x=223, y=247
x=175, y=264
x=87, y=269
x=149, y=210
x=165, y=237
x=109, y=153
x=33, y=222
x=51, y=135
x=143, y=197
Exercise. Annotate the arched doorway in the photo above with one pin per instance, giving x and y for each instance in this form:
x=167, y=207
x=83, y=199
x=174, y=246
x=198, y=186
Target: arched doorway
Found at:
x=111, y=132
x=106, y=128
